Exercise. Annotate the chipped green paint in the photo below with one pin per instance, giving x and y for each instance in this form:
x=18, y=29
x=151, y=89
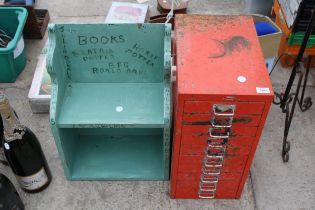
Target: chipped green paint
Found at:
x=110, y=102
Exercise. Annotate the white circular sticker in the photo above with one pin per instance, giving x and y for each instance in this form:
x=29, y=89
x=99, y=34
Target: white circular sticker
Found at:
x=241, y=79
x=7, y=146
x=119, y=108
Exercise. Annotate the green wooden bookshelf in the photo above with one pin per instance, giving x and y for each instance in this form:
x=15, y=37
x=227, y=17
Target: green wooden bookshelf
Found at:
x=110, y=102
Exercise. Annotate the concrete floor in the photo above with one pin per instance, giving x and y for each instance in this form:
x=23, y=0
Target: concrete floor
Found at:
x=274, y=185
x=292, y=185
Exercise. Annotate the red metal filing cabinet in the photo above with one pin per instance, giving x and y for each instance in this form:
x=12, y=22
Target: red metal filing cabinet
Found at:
x=222, y=97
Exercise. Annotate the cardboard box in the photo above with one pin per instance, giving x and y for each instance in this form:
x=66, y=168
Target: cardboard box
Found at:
x=269, y=43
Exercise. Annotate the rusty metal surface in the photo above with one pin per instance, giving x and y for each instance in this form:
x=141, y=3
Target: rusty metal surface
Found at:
x=204, y=41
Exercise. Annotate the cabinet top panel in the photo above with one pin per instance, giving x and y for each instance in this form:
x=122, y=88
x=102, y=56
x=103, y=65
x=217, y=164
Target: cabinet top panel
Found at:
x=219, y=55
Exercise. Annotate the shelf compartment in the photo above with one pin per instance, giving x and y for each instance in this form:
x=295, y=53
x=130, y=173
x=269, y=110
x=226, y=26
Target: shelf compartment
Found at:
x=126, y=104
x=114, y=154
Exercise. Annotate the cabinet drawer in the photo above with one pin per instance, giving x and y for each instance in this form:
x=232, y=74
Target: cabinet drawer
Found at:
x=245, y=108
x=232, y=164
x=203, y=130
x=236, y=177
x=237, y=141
x=199, y=149
x=190, y=189
x=206, y=119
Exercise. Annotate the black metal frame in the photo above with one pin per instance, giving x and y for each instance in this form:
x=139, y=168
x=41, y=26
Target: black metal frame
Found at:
x=285, y=99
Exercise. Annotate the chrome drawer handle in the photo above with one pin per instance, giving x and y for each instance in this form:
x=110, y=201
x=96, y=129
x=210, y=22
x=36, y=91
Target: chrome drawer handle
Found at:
x=224, y=135
x=211, y=162
x=203, y=195
x=216, y=146
x=221, y=123
x=211, y=151
x=208, y=188
x=210, y=176
x=206, y=197
x=209, y=155
x=213, y=159
x=212, y=166
x=217, y=141
x=204, y=179
x=224, y=109
x=211, y=172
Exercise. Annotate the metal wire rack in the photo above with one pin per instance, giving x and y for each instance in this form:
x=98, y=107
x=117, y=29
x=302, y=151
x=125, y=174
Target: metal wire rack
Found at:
x=4, y=39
